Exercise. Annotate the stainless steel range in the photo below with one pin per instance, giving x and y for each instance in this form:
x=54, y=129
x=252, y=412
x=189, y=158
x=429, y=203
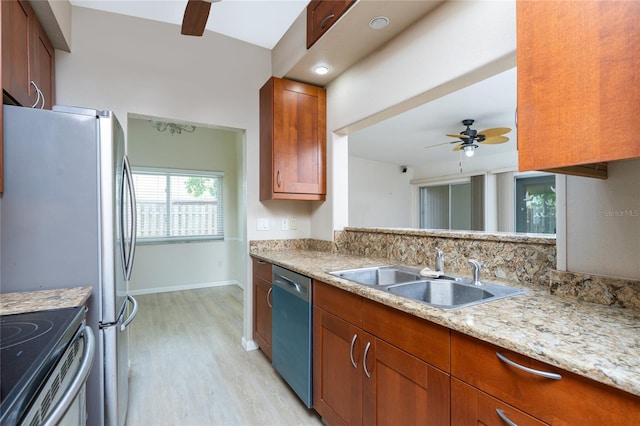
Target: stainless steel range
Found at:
x=46, y=358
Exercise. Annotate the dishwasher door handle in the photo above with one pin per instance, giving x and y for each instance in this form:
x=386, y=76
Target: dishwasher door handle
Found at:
x=287, y=282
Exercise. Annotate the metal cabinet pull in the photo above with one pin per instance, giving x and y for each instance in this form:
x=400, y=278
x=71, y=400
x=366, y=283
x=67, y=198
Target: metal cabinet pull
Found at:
x=364, y=360
x=261, y=262
x=279, y=179
x=326, y=20
x=353, y=342
x=269, y=294
x=544, y=374
x=504, y=418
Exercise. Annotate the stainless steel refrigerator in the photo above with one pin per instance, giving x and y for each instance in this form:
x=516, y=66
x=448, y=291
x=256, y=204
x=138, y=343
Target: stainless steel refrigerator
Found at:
x=68, y=219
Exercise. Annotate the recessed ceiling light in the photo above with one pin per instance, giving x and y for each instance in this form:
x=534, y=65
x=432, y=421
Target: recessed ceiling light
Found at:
x=379, y=22
x=321, y=69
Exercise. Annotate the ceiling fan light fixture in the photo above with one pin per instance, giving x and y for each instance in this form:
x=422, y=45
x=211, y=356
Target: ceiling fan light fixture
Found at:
x=469, y=150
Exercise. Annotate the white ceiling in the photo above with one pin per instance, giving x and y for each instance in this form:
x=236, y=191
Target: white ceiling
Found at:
x=409, y=138
x=259, y=22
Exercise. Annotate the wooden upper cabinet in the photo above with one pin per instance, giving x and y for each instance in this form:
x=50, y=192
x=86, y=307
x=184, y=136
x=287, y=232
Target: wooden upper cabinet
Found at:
x=321, y=15
x=27, y=56
x=578, y=84
x=292, y=141
x=16, y=40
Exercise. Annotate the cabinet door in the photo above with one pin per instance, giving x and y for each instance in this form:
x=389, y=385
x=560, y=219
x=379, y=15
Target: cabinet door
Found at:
x=262, y=314
x=337, y=383
x=321, y=15
x=578, y=82
x=43, y=66
x=470, y=406
x=16, y=39
x=299, y=138
x=401, y=389
x=262, y=303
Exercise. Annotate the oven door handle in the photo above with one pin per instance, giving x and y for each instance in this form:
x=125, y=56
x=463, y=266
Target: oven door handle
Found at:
x=78, y=381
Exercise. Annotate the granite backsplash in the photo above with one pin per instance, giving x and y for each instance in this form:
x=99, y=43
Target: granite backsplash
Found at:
x=504, y=256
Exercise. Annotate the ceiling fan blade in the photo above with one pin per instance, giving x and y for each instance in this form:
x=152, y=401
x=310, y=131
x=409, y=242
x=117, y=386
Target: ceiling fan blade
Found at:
x=496, y=131
x=458, y=147
x=495, y=140
x=458, y=136
x=440, y=144
x=195, y=17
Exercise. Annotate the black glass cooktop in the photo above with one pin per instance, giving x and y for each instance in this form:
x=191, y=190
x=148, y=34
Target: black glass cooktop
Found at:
x=30, y=346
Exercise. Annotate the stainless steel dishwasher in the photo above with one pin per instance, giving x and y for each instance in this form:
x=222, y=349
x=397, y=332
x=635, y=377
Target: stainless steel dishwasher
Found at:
x=291, y=330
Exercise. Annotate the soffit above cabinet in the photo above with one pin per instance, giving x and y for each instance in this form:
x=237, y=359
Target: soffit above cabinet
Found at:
x=348, y=41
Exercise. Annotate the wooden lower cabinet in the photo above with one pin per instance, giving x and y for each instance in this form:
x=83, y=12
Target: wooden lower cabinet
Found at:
x=262, y=305
x=402, y=389
x=471, y=406
x=568, y=399
x=360, y=379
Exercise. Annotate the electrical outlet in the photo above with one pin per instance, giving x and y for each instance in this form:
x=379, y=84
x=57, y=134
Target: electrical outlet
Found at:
x=285, y=224
x=293, y=224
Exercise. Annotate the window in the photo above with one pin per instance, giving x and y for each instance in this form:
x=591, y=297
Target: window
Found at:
x=177, y=205
x=536, y=204
x=446, y=206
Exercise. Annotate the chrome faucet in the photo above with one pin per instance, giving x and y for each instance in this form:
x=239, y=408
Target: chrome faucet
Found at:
x=476, y=271
x=439, y=260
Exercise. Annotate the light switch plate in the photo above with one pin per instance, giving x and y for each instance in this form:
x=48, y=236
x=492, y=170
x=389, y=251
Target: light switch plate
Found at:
x=263, y=224
x=293, y=224
x=285, y=224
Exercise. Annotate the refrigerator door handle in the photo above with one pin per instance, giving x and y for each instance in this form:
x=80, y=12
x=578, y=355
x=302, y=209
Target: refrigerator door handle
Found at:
x=127, y=175
x=133, y=313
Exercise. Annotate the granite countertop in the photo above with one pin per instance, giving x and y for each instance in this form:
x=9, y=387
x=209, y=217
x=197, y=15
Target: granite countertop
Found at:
x=595, y=341
x=32, y=301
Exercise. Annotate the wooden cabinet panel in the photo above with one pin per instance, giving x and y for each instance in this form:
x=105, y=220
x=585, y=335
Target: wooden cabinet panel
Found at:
x=347, y=306
x=578, y=83
x=16, y=41
x=571, y=400
x=43, y=68
x=470, y=406
x=337, y=384
x=262, y=303
x=292, y=141
x=321, y=15
x=429, y=342
x=403, y=389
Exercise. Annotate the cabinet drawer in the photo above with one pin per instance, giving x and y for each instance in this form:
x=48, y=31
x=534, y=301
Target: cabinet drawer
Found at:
x=470, y=406
x=262, y=269
x=570, y=400
x=341, y=303
x=321, y=15
x=429, y=342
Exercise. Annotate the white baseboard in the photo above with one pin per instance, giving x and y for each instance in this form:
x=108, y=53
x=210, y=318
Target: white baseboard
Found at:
x=249, y=345
x=182, y=287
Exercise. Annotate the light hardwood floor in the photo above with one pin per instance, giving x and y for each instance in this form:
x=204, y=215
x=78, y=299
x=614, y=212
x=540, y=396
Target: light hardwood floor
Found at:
x=189, y=368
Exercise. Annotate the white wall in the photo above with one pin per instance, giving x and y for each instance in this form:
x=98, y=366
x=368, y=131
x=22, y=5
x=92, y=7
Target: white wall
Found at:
x=603, y=222
x=419, y=65
x=380, y=195
x=167, y=267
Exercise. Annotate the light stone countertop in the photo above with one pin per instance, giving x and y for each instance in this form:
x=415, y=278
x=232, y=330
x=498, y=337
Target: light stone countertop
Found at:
x=32, y=301
x=595, y=341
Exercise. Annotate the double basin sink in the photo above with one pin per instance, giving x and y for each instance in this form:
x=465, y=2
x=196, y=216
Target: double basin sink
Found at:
x=445, y=292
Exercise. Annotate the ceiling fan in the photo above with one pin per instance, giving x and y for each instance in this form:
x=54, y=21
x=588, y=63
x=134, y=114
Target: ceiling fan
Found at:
x=195, y=17
x=469, y=138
